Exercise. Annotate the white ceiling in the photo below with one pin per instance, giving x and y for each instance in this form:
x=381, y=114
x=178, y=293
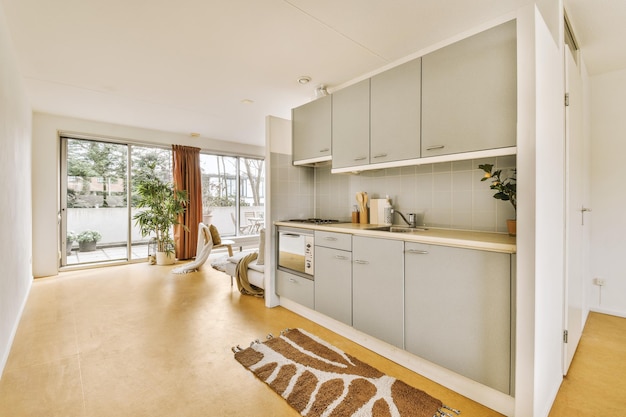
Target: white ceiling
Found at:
x=186, y=66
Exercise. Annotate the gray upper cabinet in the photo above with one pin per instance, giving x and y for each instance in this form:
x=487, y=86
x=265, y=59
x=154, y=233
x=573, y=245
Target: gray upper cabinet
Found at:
x=351, y=125
x=311, y=131
x=378, y=288
x=469, y=94
x=458, y=311
x=395, y=113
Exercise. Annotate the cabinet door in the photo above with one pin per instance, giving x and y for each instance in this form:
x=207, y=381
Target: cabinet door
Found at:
x=351, y=125
x=377, y=288
x=469, y=94
x=311, y=130
x=395, y=113
x=333, y=283
x=458, y=311
x=296, y=288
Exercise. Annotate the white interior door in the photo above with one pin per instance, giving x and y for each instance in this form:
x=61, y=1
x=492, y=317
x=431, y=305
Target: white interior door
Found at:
x=575, y=211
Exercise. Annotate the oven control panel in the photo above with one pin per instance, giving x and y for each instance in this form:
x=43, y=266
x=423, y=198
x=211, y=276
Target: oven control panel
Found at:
x=309, y=255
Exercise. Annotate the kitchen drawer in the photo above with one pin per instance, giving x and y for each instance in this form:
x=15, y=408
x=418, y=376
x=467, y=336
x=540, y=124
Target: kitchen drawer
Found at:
x=296, y=288
x=341, y=241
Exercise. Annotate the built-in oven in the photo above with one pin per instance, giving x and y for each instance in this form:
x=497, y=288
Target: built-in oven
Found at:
x=296, y=251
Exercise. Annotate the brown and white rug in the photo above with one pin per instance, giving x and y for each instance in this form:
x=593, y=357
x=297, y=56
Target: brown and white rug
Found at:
x=318, y=379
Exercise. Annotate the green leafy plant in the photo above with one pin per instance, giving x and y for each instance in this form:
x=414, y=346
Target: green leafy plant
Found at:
x=70, y=237
x=506, y=189
x=88, y=236
x=162, y=204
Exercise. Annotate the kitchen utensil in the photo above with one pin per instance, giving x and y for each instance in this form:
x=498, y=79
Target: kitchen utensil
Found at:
x=364, y=215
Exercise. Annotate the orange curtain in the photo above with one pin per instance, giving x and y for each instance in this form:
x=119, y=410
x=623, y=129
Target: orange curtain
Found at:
x=187, y=176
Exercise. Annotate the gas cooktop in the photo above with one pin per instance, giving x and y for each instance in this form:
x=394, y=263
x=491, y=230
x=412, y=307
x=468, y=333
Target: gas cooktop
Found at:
x=313, y=221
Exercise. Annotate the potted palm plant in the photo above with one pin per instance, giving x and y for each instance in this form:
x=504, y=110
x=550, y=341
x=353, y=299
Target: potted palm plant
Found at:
x=506, y=190
x=162, y=205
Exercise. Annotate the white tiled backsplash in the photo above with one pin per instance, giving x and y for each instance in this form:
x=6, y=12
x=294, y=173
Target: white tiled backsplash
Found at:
x=449, y=194
x=292, y=189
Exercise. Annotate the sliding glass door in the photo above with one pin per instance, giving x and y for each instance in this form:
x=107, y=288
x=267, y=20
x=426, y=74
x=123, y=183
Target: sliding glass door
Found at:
x=145, y=161
x=96, y=217
x=232, y=193
x=94, y=202
x=251, y=197
x=99, y=180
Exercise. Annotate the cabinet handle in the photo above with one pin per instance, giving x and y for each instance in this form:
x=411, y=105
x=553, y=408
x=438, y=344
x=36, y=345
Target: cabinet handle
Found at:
x=380, y=155
x=340, y=257
x=434, y=147
x=330, y=238
x=359, y=261
x=292, y=280
x=324, y=150
x=360, y=158
x=417, y=251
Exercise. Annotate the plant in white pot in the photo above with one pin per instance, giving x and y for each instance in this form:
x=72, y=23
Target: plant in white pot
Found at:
x=162, y=205
x=69, y=241
x=506, y=190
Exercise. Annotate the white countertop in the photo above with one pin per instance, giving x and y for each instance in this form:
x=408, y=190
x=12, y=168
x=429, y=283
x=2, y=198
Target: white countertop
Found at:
x=495, y=242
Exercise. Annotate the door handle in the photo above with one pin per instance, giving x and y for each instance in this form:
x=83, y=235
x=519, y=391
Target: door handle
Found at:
x=583, y=210
x=360, y=262
x=435, y=147
x=417, y=251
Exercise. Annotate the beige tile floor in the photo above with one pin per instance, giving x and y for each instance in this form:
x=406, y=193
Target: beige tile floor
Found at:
x=136, y=340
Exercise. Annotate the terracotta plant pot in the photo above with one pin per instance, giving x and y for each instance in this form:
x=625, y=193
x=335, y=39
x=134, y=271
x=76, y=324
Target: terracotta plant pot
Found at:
x=511, y=225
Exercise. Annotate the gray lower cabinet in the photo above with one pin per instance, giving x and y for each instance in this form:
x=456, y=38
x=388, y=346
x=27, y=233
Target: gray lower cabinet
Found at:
x=378, y=288
x=333, y=283
x=458, y=311
x=296, y=288
x=333, y=275
x=469, y=94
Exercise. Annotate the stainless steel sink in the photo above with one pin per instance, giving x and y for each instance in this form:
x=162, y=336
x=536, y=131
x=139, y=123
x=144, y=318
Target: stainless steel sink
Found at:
x=398, y=229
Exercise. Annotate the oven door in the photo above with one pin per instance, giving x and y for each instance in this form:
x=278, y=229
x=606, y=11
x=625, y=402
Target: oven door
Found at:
x=295, y=252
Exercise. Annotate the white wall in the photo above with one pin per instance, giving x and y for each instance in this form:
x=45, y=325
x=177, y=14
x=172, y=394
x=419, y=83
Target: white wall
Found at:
x=15, y=182
x=46, y=179
x=608, y=193
x=550, y=209
x=540, y=246
x=277, y=165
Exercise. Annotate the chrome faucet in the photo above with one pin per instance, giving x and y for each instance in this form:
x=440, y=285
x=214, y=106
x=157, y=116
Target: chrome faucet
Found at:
x=411, y=221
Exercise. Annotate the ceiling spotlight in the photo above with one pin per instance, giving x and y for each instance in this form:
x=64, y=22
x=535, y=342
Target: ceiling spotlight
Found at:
x=194, y=134
x=304, y=80
x=321, y=91
x=247, y=101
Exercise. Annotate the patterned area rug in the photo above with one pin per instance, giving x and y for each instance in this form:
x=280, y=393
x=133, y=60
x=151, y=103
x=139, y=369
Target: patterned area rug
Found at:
x=317, y=379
